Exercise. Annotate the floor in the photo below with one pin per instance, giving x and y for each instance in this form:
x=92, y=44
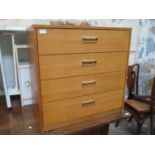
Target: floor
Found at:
x=22, y=121
x=18, y=120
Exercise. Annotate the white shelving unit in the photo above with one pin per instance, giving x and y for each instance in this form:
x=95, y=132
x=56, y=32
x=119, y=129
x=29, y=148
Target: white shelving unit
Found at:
x=14, y=66
x=8, y=66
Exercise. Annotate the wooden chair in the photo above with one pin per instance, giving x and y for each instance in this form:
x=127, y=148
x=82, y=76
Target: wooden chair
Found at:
x=132, y=88
x=140, y=107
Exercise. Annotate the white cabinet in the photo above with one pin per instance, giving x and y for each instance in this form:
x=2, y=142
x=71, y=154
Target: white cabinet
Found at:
x=25, y=83
x=14, y=67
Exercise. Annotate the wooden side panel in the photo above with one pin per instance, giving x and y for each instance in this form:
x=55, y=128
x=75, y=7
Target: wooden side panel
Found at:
x=58, y=66
x=35, y=73
x=58, y=89
x=59, y=111
x=126, y=68
x=62, y=41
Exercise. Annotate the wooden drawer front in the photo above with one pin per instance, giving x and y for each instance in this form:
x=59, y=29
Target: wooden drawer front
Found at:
x=59, y=111
x=58, y=66
x=58, y=41
x=58, y=89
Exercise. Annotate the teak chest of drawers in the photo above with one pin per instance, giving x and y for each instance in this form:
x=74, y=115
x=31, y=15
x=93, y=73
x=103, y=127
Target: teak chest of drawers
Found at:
x=80, y=75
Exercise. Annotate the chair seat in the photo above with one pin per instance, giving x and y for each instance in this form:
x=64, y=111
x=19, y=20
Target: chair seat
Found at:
x=138, y=106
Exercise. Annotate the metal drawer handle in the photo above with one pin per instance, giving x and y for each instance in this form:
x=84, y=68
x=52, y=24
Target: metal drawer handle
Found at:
x=88, y=103
x=89, y=62
x=89, y=39
x=27, y=83
x=88, y=83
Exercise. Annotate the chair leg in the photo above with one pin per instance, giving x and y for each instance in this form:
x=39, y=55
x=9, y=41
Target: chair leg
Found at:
x=130, y=119
x=139, y=126
x=117, y=123
x=151, y=124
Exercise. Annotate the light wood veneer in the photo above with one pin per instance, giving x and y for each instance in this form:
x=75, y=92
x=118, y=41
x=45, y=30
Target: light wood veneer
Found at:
x=80, y=75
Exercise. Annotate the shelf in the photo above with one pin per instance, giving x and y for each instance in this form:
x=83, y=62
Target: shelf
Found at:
x=22, y=46
x=25, y=65
x=13, y=91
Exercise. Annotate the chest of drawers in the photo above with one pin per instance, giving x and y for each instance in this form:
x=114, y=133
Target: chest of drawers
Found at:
x=79, y=75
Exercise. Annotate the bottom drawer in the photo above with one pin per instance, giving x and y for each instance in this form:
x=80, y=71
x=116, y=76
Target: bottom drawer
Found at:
x=64, y=110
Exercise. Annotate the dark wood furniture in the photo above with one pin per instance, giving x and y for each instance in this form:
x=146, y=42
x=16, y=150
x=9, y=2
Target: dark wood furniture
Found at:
x=140, y=107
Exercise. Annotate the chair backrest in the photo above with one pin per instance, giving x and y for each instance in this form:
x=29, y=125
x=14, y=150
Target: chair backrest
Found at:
x=132, y=80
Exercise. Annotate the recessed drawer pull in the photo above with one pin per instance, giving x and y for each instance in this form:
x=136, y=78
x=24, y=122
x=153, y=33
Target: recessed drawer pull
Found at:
x=89, y=62
x=88, y=83
x=88, y=103
x=87, y=39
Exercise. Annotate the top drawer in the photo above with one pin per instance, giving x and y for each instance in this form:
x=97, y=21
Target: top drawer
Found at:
x=60, y=41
